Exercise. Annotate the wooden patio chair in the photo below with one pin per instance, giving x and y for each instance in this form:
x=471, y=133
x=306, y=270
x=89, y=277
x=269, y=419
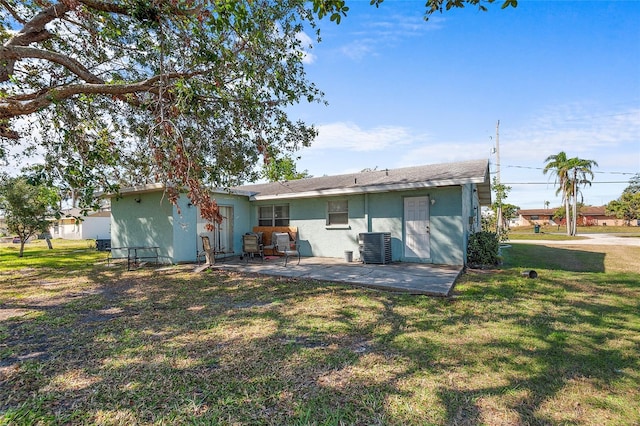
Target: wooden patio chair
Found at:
x=207, y=251
x=286, y=247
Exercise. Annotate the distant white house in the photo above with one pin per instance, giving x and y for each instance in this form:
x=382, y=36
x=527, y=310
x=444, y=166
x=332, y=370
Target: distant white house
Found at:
x=72, y=225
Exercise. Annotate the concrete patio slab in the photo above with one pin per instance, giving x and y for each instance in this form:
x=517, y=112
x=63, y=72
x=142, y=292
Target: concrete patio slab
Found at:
x=413, y=278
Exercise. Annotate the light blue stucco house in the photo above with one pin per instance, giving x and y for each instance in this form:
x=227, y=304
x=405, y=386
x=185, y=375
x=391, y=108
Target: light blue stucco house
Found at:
x=426, y=213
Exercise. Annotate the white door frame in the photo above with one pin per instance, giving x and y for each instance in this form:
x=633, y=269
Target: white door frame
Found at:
x=416, y=222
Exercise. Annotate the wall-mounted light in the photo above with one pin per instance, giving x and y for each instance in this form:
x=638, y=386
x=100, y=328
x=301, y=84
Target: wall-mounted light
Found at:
x=189, y=205
x=138, y=199
x=433, y=201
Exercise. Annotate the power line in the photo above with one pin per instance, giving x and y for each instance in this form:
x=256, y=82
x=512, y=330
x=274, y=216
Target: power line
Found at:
x=594, y=171
x=548, y=183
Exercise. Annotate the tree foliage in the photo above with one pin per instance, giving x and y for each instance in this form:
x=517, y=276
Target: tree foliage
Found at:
x=27, y=208
x=502, y=212
x=283, y=168
x=191, y=93
x=627, y=206
x=571, y=173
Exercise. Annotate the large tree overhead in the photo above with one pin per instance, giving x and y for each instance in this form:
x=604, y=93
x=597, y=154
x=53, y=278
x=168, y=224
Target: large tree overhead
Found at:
x=193, y=92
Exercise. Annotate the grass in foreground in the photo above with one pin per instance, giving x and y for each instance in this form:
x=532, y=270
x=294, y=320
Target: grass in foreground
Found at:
x=105, y=346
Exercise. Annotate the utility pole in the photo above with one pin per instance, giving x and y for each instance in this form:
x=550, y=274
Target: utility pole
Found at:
x=499, y=209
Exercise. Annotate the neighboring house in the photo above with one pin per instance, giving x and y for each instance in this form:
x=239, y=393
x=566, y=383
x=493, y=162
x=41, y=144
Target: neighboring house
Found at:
x=429, y=212
x=587, y=216
x=596, y=216
x=534, y=217
x=72, y=225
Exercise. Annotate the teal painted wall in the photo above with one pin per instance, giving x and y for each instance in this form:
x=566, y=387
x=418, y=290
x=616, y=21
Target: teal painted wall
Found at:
x=185, y=235
x=315, y=237
x=241, y=217
x=147, y=223
x=379, y=212
x=156, y=222
x=445, y=216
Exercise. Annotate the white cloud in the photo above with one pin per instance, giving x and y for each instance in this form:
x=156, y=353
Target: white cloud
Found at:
x=383, y=30
x=307, y=44
x=351, y=137
x=444, y=152
x=579, y=131
x=358, y=49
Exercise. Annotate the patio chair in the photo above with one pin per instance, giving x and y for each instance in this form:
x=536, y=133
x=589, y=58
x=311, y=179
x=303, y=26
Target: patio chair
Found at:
x=251, y=246
x=272, y=246
x=286, y=247
x=207, y=251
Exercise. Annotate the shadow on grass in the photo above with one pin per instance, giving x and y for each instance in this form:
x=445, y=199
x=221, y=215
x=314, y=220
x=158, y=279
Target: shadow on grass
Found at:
x=216, y=348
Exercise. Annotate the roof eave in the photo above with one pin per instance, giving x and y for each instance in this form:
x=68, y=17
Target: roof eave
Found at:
x=367, y=189
x=155, y=187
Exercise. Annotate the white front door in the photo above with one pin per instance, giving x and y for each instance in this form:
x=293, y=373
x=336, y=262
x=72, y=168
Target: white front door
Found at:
x=416, y=225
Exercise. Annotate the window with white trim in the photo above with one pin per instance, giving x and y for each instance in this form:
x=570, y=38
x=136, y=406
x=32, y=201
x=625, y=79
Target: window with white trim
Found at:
x=337, y=212
x=273, y=215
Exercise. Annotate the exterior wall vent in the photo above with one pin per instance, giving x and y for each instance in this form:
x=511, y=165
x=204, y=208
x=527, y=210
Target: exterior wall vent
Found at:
x=375, y=247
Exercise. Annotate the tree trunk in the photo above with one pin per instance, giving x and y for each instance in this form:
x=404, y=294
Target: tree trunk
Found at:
x=567, y=213
x=49, y=243
x=575, y=206
x=21, y=247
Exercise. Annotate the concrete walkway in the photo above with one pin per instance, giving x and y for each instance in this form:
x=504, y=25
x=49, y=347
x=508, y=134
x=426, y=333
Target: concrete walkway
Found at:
x=414, y=278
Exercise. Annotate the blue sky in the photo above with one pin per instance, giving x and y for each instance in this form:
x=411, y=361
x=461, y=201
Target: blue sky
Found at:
x=559, y=75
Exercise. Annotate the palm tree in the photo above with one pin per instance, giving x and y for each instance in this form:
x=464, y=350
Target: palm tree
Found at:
x=558, y=164
x=579, y=174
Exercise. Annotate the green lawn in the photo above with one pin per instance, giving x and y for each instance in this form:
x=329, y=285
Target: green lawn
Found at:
x=82, y=343
x=547, y=232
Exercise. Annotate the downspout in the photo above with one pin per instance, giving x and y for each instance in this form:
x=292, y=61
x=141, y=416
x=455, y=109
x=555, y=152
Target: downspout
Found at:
x=366, y=212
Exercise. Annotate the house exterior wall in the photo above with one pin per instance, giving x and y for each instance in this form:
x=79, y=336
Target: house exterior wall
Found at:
x=185, y=234
x=66, y=228
x=470, y=219
x=377, y=212
x=147, y=223
x=154, y=221
x=448, y=245
x=96, y=227
x=318, y=239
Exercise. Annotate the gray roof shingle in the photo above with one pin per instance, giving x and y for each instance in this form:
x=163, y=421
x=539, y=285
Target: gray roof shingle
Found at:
x=427, y=176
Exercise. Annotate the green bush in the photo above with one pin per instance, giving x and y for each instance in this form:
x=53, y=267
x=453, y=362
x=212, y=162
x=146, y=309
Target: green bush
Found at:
x=483, y=249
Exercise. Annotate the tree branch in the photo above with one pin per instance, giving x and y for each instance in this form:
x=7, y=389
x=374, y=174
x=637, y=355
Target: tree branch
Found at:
x=20, y=52
x=27, y=104
x=106, y=7
x=13, y=13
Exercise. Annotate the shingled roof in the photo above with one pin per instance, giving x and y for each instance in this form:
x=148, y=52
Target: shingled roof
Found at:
x=427, y=176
